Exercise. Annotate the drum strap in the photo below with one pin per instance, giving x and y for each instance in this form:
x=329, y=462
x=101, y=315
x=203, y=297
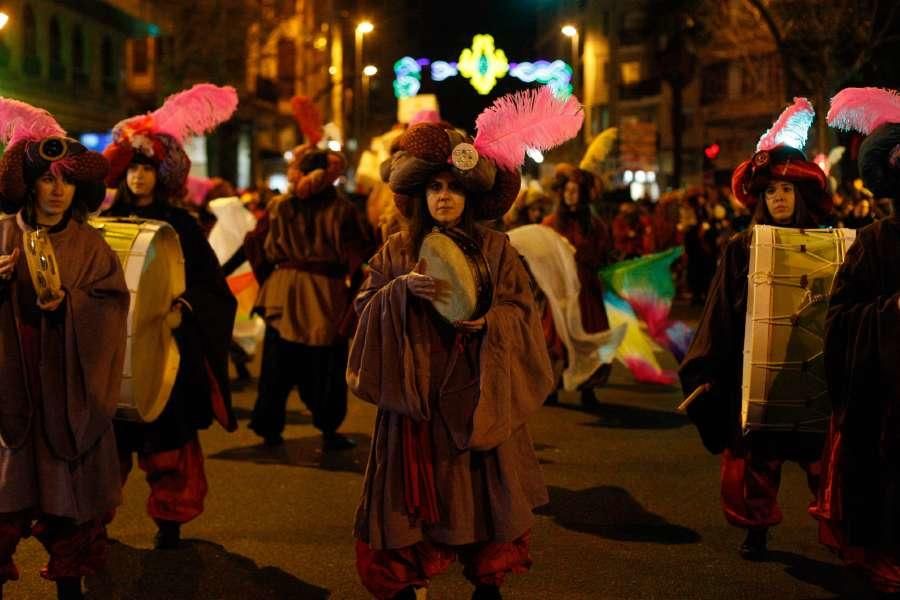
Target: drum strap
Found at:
x=333, y=270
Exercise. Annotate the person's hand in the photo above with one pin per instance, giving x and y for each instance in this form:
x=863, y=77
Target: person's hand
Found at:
x=8, y=264
x=470, y=326
x=173, y=319
x=419, y=284
x=52, y=303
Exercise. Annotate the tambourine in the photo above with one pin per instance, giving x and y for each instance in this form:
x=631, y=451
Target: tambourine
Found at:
x=462, y=274
x=42, y=265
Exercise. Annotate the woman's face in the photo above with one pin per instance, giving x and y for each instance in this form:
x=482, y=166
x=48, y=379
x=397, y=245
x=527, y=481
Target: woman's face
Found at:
x=141, y=179
x=53, y=197
x=535, y=213
x=446, y=199
x=780, y=200
x=571, y=194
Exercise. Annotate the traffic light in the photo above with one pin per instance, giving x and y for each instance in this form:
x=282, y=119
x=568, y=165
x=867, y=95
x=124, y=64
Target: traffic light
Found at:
x=710, y=154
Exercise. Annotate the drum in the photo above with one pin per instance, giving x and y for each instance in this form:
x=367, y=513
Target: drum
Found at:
x=790, y=280
x=154, y=271
x=462, y=273
x=41, y=263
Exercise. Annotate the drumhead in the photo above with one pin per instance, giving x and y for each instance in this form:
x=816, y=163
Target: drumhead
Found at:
x=154, y=272
x=457, y=291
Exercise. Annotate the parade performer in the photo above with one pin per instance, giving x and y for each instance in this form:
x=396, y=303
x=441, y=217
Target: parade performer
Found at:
x=452, y=471
x=781, y=188
x=590, y=237
x=317, y=244
x=63, y=351
x=859, y=503
x=149, y=167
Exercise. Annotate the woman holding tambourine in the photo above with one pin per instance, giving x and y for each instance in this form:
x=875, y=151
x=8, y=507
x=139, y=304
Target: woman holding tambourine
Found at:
x=450, y=348
x=63, y=310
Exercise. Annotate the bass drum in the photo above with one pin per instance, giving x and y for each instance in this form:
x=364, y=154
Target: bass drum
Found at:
x=463, y=276
x=151, y=257
x=791, y=276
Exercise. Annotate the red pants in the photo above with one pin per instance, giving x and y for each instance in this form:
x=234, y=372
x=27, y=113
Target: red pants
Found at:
x=75, y=550
x=387, y=572
x=750, y=480
x=177, y=481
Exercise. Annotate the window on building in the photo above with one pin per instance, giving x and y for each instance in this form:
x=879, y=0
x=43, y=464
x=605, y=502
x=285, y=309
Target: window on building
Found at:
x=29, y=32
x=140, y=56
x=78, y=67
x=108, y=64
x=55, y=42
x=714, y=87
x=287, y=59
x=630, y=72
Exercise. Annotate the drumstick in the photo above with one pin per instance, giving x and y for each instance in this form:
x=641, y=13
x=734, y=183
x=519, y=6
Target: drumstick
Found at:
x=701, y=389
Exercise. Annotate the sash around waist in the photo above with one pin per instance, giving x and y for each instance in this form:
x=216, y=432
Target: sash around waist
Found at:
x=333, y=270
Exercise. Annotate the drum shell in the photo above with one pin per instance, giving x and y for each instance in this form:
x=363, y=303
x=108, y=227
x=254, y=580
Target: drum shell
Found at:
x=151, y=257
x=791, y=275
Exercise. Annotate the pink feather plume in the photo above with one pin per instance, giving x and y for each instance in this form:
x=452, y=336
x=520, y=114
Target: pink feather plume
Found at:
x=21, y=121
x=864, y=109
x=533, y=118
x=791, y=127
x=195, y=111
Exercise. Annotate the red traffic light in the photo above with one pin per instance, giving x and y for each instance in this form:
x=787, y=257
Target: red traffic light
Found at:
x=712, y=151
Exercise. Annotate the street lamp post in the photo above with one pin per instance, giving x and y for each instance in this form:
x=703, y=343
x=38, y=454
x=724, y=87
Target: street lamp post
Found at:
x=362, y=28
x=368, y=72
x=4, y=18
x=571, y=32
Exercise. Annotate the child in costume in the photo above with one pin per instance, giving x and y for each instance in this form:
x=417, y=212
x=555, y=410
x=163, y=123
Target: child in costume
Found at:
x=781, y=188
x=452, y=471
x=62, y=353
x=149, y=168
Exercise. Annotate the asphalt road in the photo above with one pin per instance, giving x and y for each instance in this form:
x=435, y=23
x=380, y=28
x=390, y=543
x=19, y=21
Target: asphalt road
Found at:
x=634, y=513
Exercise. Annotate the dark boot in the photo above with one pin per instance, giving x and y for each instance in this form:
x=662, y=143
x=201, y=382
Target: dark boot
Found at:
x=407, y=593
x=552, y=399
x=486, y=592
x=69, y=588
x=333, y=441
x=168, y=537
x=754, y=546
x=588, y=399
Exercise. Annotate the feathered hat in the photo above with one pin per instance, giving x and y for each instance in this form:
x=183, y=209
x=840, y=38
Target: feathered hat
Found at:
x=779, y=155
x=874, y=112
x=312, y=170
x=158, y=137
x=488, y=166
x=35, y=143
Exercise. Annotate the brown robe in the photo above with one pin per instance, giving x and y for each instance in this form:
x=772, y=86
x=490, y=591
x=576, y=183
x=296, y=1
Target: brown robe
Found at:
x=57, y=448
x=317, y=245
x=476, y=396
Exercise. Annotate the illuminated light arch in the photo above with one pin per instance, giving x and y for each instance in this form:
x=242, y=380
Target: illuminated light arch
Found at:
x=441, y=70
x=483, y=64
x=409, y=77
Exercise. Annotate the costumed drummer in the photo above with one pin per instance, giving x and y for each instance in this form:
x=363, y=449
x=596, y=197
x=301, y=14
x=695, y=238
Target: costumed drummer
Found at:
x=780, y=187
x=859, y=504
x=317, y=245
x=452, y=472
x=590, y=236
x=149, y=168
x=63, y=347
